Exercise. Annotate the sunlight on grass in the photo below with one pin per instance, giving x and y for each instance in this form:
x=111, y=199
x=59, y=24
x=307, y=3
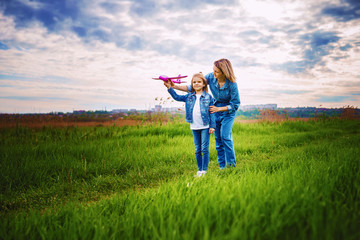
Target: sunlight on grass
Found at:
x=294, y=180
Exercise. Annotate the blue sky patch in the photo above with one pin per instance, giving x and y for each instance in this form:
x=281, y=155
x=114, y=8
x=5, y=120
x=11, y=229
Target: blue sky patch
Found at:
x=327, y=99
x=314, y=46
x=48, y=12
x=13, y=77
x=80, y=31
x=135, y=43
x=348, y=11
x=144, y=7
x=7, y=86
x=291, y=67
x=3, y=46
x=44, y=78
x=346, y=47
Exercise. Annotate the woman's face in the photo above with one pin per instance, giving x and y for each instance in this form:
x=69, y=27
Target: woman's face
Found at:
x=217, y=72
x=197, y=84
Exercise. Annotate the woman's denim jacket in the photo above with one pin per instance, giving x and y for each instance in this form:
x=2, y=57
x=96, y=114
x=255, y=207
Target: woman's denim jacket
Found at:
x=227, y=95
x=206, y=100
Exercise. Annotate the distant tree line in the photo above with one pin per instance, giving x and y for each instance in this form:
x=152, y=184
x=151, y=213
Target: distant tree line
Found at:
x=301, y=112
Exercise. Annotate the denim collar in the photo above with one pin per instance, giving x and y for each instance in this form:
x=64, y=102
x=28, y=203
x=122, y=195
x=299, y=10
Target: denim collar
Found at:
x=226, y=84
x=202, y=95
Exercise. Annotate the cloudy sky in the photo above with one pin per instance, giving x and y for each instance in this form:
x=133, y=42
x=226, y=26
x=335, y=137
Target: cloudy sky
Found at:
x=65, y=55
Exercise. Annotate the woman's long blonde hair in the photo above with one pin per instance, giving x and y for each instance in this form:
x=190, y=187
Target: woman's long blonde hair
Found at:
x=226, y=68
x=201, y=76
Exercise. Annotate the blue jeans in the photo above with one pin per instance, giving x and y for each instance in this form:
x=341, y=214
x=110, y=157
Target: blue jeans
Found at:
x=223, y=138
x=201, y=141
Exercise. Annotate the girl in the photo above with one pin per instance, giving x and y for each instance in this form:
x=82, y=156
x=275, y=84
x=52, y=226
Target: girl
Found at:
x=223, y=86
x=202, y=123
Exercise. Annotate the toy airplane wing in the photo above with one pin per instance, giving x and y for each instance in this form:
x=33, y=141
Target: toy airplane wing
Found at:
x=162, y=77
x=173, y=79
x=177, y=77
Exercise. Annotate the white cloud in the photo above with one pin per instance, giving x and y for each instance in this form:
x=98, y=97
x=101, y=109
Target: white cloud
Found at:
x=111, y=59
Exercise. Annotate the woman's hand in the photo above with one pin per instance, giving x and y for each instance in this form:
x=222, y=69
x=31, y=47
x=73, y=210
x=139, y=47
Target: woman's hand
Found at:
x=214, y=109
x=211, y=130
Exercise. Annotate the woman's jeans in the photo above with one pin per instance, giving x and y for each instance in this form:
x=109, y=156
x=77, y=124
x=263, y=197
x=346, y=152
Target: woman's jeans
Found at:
x=223, y=138
x=201, y=140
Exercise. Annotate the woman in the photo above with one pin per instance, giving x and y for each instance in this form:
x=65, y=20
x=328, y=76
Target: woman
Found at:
x=222, y=83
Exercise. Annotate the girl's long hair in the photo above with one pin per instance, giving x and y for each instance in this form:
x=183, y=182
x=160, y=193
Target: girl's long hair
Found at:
x=226, y=68
x=201, y=76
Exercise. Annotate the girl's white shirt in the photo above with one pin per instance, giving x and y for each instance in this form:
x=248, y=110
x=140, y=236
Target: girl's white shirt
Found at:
x=197, y=123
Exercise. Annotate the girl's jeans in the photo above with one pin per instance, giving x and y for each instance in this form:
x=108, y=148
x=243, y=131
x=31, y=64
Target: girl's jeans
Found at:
x=201, y=141
x=223, y=138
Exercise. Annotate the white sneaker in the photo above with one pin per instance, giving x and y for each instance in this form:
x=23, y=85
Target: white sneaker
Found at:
x=198, y=174
x=203, y=173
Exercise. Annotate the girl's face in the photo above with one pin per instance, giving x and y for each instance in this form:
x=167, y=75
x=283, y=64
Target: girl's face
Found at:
x=217, y=72
x=197, y=84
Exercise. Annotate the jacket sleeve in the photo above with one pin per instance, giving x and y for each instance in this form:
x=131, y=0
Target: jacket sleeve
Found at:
x=212, y=115
x=188, y=88
x=208, y=76
x=235, y=98
x=174, y=95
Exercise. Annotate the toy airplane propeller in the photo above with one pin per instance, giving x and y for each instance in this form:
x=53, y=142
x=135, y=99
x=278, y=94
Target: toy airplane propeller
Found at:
x=173, y=79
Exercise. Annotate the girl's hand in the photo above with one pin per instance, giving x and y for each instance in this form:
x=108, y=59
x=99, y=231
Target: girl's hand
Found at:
x=167, y=84
x=211, y=130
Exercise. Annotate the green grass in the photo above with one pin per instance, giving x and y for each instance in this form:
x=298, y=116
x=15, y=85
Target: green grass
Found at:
x=293, y=180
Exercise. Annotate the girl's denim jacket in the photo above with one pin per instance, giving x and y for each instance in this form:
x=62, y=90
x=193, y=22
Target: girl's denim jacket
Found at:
x=206, y=100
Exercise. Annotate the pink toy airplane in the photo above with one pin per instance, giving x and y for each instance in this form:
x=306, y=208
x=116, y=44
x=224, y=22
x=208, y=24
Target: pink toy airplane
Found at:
x=173, y=79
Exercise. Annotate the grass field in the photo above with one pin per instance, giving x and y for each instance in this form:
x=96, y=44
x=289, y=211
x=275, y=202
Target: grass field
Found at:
x=293, y=180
